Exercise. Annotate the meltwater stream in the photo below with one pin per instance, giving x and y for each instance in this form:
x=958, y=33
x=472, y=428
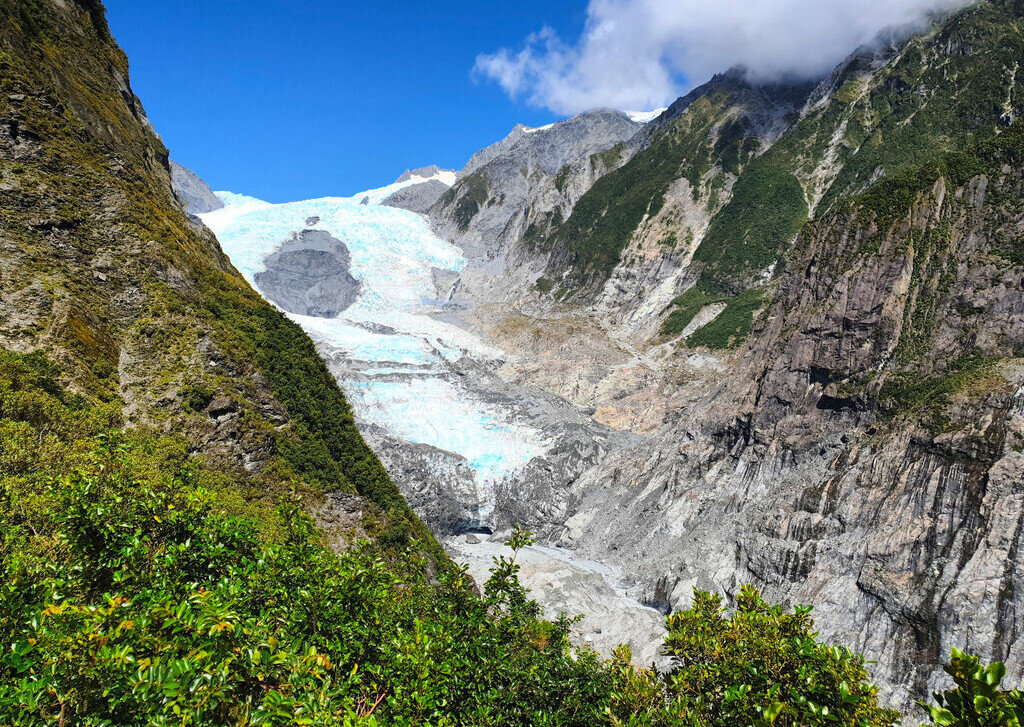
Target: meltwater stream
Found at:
x=397, y=356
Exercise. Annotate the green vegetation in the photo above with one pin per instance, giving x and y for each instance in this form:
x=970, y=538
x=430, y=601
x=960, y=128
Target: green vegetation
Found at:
x=544, y=285
x=468, y=195
x=605, y=218
x=562, y=178
x=763, y=666
x=609, y=158
x=977, y=700
x=733, y=325
x=935, y=98
x=686, y=307
x=765, y=213
x=907, y=391
x=728, y=330
x=130, y=599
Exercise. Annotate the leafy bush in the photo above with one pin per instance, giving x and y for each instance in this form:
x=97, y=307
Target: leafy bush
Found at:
x=128, y=598
x=977, y=700
x=764, y=666
x=733, y=325
x=728, y=330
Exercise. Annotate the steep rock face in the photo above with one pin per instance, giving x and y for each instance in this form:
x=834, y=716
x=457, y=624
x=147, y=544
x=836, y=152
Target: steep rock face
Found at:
x=529, y=179
x=102, y=270
x=808, y=300
x=864, y=454
x=195, y=194
x=417, y=198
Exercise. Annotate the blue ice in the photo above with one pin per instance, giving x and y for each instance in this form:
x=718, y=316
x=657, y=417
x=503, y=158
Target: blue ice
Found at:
x=393, y=254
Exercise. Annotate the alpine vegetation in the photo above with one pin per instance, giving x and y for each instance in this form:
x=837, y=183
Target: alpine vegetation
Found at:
x=564, y=437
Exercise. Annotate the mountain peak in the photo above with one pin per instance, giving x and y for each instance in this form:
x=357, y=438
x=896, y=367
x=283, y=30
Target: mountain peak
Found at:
x=427, y=172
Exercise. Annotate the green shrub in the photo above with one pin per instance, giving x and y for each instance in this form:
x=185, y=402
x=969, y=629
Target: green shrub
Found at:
x=728, y=330
x=130, y=599
x=977, y=700
x=764, y=666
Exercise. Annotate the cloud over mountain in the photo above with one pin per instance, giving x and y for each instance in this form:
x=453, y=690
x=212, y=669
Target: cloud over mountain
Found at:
x=643, y=53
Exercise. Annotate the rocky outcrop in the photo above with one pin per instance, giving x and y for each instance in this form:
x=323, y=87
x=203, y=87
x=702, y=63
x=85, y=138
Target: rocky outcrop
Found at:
x=195, y=194
x=309, y=275
x=423, y=172
x=417, y=198
x=529, y=178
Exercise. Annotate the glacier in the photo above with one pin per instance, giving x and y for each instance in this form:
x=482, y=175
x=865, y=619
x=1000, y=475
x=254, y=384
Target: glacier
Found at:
x=392, y=352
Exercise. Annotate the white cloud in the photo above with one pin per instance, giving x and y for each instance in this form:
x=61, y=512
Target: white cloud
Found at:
x=644, y=53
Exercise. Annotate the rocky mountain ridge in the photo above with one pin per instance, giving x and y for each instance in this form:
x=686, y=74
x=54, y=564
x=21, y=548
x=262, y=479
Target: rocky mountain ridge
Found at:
x=806, y=299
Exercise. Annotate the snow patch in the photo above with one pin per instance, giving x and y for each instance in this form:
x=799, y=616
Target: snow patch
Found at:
x=643, y=117
x=532, y=130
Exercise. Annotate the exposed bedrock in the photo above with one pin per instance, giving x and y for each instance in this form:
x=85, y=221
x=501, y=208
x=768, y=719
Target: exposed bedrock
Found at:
x=417, y=197
x=194, y=193
x=309, y=275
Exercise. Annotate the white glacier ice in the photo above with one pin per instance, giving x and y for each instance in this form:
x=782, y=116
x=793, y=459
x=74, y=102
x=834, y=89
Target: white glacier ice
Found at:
x=643, y=117
x=399, y=375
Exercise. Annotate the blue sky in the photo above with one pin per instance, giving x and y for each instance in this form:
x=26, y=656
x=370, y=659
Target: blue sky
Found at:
x=291, y=99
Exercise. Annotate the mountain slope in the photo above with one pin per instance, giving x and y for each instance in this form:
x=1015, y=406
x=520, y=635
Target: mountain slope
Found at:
x=139, y=308
x=758, y=165
x=807, y=302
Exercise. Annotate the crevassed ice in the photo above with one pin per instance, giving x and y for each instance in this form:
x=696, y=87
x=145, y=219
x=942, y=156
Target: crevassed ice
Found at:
x=388, y=330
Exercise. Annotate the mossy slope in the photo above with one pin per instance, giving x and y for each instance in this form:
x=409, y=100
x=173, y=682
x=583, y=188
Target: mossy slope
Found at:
x=137, y=306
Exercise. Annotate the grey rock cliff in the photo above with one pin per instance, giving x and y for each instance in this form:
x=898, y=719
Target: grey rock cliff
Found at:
x=530, y=177
x=195, y=194
x=417, y=197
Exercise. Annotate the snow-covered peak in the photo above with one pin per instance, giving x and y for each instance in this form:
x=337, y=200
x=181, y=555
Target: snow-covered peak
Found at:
x=643, y=117
x=532, y=130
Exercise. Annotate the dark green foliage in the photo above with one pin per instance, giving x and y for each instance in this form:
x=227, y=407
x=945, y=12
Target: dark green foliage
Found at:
x=728, y=330
x=607, y=159
x=908, y=391
x=544, y=285
x=733, y=325
x=765, y=213
x=686, y=307
x=562, y=178
x=892, y=198
x=762, y=666
x=468, y=195
x=197, y=395
x=977, y=700
x=946, y=92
